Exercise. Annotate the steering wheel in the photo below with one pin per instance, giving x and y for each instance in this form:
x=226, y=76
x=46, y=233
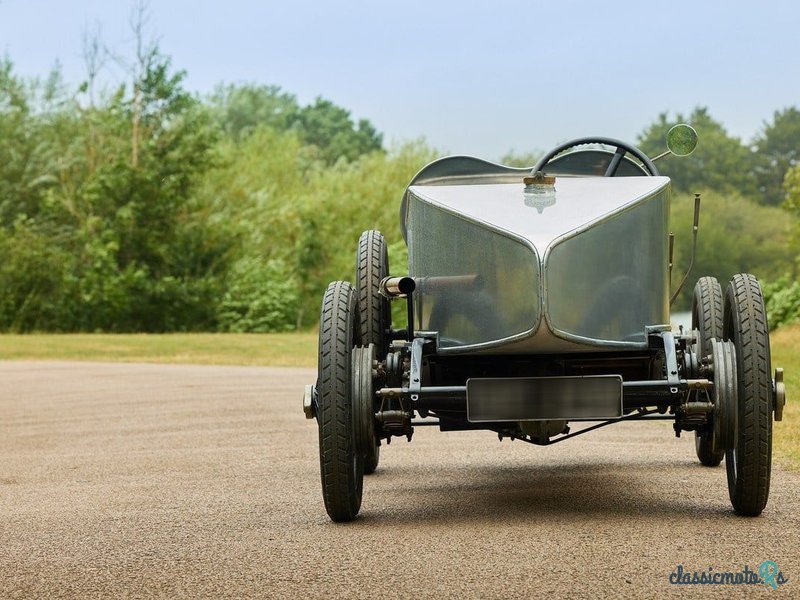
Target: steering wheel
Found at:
x=621, y=150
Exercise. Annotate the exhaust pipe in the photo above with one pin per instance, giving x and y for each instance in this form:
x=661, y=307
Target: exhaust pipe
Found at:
x=397, y=287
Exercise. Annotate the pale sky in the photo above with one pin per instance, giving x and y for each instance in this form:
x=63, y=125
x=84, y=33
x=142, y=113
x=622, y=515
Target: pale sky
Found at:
x=476, y=78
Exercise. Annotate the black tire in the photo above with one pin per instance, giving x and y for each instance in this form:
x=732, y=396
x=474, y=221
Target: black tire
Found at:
x=341, y=464
x=372, y=265
x=707, y=316
x=749, y=463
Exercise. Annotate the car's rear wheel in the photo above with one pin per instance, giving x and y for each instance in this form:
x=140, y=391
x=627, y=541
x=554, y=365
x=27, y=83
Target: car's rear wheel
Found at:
x=341, y=462
x=372, y=265
x=707, y=317
x=749, y=462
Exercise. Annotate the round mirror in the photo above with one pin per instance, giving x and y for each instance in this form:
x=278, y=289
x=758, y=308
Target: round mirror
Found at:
x=682, y=139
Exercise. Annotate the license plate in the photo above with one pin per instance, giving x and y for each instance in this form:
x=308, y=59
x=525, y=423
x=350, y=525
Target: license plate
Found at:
x=591, y=398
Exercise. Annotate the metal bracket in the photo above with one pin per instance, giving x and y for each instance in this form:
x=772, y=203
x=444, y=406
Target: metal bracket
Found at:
x=415, y=371
x=671, y=357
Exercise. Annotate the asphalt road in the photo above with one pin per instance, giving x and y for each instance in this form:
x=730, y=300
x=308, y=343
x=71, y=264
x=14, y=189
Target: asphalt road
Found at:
x=147, y=481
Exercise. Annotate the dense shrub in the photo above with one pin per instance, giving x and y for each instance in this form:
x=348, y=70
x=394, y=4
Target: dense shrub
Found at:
x=261, y=297
x=782, y=297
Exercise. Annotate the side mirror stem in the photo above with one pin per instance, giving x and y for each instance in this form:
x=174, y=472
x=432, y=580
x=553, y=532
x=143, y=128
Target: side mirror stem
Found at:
x=662, y=155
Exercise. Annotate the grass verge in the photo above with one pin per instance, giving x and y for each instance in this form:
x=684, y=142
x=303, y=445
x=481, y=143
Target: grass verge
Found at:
x=785, y=344
x=274, y=349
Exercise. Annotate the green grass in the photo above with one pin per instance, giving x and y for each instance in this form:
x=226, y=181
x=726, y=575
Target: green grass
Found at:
x=785, y=345
x=299, y=350
x=276, y=349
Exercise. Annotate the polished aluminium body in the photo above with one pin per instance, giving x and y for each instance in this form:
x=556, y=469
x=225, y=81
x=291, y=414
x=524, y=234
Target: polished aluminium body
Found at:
x=579, y=265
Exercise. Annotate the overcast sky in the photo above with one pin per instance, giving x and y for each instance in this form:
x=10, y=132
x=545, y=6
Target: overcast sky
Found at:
x=477, y=78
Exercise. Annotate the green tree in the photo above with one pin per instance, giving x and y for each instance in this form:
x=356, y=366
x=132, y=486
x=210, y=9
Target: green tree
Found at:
x=37, y=127
x=791, y=203
x=778, y=147
x=240, y=109
x=736, y=235
x=145, y=204
x=720, y=163
x=791, y=185
x=110, y=185
x=282, y=205
x=331, y=129
x=516, y=159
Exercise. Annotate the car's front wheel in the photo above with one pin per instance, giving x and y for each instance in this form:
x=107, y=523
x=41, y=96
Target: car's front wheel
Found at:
x=340, y=458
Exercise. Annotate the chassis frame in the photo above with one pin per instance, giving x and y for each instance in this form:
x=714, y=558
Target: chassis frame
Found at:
x=667, y=381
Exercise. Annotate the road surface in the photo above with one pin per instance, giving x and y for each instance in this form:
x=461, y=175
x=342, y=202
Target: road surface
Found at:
x=123, y=480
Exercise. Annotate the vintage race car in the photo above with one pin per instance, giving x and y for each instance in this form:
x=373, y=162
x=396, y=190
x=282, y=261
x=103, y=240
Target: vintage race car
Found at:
x=535, y=298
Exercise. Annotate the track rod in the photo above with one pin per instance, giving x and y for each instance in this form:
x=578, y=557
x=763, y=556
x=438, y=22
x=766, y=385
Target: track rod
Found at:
x=644, y=416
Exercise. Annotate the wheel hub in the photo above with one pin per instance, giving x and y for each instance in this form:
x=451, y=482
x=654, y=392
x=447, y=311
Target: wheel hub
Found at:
x=725, y=394
x=780, y=394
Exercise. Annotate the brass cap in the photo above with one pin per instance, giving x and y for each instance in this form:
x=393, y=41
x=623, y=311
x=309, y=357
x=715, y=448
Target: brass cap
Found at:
x=539, y=177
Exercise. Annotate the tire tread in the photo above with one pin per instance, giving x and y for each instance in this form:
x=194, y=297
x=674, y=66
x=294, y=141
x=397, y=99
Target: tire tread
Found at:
x=746, y=325
x=341, y=485
x=372, y=265
x=707, y=318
